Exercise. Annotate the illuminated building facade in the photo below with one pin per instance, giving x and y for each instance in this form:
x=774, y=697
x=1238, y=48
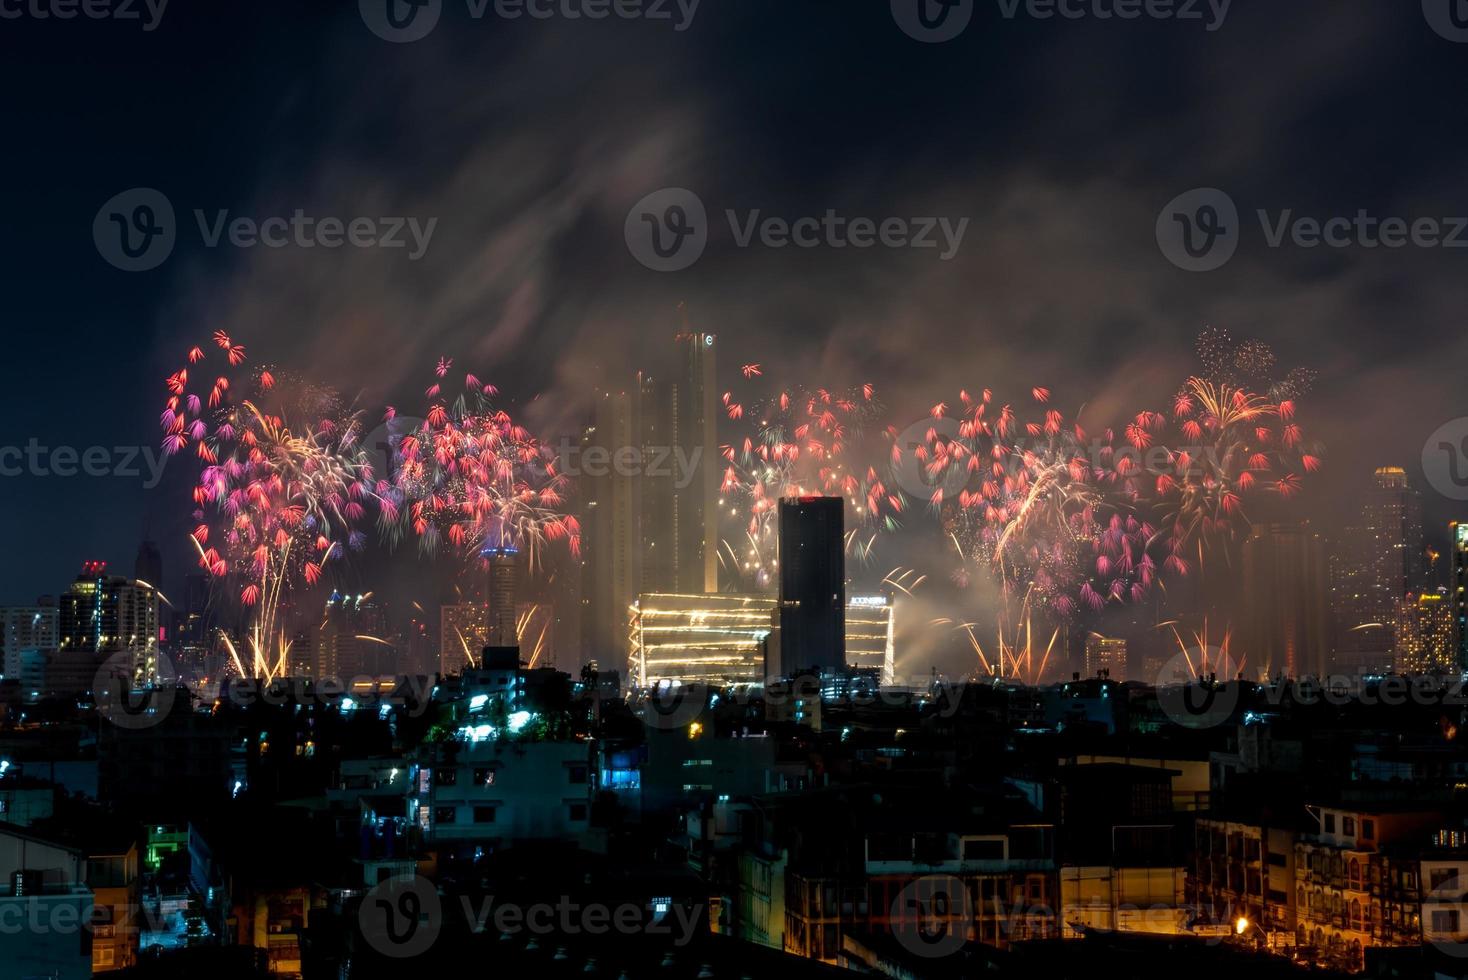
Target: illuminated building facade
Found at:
x=870, y=633
x=1424, y=634
x=1106, y=653
x=1459, y=591
x=503, y=593
x=1377, y=562
x=718, y=637
x=721, y=637
x=105, y=614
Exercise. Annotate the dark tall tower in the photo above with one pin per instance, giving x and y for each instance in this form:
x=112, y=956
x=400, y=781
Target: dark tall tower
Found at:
x=1284, y=600
x=148, y=566
x=812, y=610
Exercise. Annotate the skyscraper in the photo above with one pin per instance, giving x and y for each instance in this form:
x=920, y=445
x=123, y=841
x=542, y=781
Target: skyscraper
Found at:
x=650, y=482
x=1459, y=591
x=1424, y=634
x=503, y=594
x=1284, y=600
x=611, y=504
x=679, y=477
x=695, y=441
x=1377, y=562
x=148, y=566
x=812, y=610
x=104, y=614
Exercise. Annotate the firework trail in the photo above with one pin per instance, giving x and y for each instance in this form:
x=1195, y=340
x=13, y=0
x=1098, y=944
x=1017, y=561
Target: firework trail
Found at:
x=469, y=474
x=800, y=442
x=282, y=491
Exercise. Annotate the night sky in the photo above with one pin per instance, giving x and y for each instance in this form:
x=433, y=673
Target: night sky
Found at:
x=1060, y=140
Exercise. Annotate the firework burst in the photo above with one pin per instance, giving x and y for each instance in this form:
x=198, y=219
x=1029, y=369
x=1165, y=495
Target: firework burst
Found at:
x=800, y=442
x=471, y=476
x=283, y=489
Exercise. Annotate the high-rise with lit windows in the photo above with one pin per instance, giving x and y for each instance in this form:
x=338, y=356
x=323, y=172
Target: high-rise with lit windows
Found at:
x=1377, y=561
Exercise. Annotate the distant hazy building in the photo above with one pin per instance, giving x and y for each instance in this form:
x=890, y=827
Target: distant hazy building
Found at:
x=610, y=492
x=812, y=583
x=1284, y=601
x=1377, y=561
x=463, y=633
x=649, y=479
x=1106, y=653
x=693, y=427
x=33, y=630
x=1424, y=634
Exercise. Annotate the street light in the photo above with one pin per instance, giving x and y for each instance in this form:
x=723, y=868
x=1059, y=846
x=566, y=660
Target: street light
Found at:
x=1243, y=925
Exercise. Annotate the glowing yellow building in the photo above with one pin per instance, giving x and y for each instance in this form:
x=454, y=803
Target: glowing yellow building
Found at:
x=720, y=637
